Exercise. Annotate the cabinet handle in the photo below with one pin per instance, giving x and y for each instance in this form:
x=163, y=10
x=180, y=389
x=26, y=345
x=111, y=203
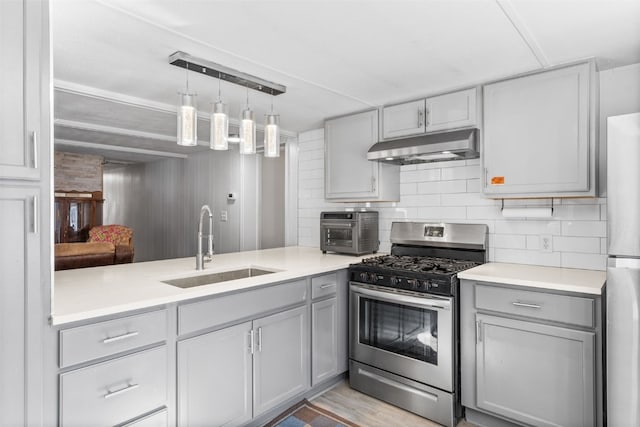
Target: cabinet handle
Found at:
x=524, y=304
x=420, y=117
x=478, y=331
x=486, y=177
x=120, y=337
x=34, y=152
x=426, y=114
x=260, y=339
x=327, y=285
x=251, y=346
x=373, y=184
x=36, y=216
x=121, y=391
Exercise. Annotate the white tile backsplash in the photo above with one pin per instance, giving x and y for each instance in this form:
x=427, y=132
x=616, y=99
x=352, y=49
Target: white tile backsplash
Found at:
x=451, y=192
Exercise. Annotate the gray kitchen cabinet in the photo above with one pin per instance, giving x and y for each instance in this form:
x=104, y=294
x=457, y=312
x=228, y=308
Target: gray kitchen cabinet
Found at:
x=281, y=358
x=529, y=356
x=434, y=114
x=329, y=326
x=215, y=380
x=23, y=38
x=539, y=135
x=20, y=267
x=349, y=176
x=324, y=344
x=537, y=374
x=25, y=197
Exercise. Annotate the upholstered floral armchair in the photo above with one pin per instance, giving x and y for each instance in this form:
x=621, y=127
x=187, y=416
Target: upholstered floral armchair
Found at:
x=119, y=235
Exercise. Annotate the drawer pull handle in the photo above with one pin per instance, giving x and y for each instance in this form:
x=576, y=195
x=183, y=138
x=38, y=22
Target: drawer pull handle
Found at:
x=120, y=337
x=121, y=391
x=327, y=285
x=524, y=304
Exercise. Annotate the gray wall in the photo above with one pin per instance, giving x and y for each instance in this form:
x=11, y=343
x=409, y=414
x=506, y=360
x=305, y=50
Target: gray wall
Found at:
x=161, y=201
x=272, y=218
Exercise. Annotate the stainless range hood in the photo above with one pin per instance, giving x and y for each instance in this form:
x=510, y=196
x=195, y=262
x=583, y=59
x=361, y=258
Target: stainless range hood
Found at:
x=437, y=147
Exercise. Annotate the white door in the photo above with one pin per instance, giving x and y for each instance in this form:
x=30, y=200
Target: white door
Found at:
x=324, y=340
x=403, y=119
x=451, y=110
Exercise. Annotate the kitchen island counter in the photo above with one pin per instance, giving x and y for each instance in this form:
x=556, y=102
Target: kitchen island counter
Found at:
x=536, y=276
x=87, y=293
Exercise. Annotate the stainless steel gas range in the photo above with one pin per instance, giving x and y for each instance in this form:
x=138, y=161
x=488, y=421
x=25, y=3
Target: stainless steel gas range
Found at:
x=404, y=345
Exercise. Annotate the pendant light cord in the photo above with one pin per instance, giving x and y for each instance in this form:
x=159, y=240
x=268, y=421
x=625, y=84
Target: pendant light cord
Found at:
x=219, y=84
x=187, y=72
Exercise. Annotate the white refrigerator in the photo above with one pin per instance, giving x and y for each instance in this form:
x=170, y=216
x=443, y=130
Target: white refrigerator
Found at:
x=623, y=270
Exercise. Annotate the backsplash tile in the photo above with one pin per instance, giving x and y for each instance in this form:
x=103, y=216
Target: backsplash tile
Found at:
x=451, y=192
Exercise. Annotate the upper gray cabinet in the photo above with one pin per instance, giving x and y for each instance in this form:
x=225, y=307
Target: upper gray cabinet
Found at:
x=349, y=176
x=22, y=39
x=443, y=112
x=539, y=134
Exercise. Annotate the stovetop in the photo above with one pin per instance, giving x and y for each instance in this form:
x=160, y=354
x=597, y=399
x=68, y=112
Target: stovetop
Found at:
x=424, y=274
x=418, y=264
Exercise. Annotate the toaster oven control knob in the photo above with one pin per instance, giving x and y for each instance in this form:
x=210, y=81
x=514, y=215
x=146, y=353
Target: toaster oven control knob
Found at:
x=393, y=280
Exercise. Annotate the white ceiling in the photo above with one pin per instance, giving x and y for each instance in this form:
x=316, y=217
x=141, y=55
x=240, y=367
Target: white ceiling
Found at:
x=335, y=57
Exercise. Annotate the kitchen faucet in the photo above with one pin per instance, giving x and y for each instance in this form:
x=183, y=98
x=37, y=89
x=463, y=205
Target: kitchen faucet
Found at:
x=200, y=258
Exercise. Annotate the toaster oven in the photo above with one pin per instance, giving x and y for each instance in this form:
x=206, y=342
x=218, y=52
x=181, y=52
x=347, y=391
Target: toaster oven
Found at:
x=354, y=233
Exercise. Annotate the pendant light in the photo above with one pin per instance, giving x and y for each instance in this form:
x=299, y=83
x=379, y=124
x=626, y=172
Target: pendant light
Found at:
x=219, y=123
x=272, y=133
x=187, y=116
x=247, y=130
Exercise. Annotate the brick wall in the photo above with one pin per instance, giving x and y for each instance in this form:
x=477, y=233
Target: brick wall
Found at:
x=77, y=172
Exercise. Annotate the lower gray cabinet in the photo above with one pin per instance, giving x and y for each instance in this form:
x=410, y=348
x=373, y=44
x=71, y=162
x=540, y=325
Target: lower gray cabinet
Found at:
x=324, y=342
x=229, y=376
x=538, y=374
x=281, y=358
x=215, y=378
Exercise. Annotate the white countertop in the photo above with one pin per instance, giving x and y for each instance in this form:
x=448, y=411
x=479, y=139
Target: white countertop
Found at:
x=536, y=276
x=85, y=293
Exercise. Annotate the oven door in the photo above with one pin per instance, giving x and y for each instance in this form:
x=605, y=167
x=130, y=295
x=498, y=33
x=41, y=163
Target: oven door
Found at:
x=406, y=333
x=339, y=236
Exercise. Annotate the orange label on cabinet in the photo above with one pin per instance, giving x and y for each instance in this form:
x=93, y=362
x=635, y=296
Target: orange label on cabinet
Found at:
x=497, y=180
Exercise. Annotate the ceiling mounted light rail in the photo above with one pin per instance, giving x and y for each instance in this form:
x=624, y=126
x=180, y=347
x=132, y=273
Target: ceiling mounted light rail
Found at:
x=199, y=65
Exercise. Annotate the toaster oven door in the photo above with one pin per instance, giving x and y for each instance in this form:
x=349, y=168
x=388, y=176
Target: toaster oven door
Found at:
x=338, y=236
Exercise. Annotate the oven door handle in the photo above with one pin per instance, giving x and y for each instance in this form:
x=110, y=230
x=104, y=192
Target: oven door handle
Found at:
x=422, y=301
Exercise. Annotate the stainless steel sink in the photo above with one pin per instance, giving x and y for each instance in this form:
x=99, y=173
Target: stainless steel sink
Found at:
x=222, y=276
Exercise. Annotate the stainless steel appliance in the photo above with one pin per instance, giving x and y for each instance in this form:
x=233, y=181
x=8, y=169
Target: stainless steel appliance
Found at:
x=353, y=233
x=623, y=270
x=403, y=345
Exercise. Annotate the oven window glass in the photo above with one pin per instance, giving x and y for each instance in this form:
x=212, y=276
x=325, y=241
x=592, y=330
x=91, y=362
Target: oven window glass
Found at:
x=338, y=236
x=400, y=329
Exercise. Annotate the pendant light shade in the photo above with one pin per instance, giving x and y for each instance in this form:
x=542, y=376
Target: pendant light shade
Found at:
x=187, y=119
x=247, y=132
x=219, y=127
x=272, y=136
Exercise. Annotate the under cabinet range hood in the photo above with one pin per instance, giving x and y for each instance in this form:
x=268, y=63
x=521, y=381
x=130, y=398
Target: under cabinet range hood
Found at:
x=436, y=147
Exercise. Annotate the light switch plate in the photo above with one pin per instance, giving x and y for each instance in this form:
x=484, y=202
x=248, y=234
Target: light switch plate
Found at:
x=224, y=216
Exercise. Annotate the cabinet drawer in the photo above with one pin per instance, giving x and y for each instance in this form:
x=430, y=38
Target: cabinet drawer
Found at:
x=90, y=342
x=157, y=419
x=557, y=308
x=324, y=285
x=113, y=392
x=226, y=309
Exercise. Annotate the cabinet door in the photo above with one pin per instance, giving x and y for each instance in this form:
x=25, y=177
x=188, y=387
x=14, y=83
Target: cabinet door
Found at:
x=348, y=172
x=19, y=291
x=403, y=119
x=537, y=374
x=537, y=134
x=281, y=361
x=21, y=40
x=451, y=111
x=324, y=340
x=215, y=379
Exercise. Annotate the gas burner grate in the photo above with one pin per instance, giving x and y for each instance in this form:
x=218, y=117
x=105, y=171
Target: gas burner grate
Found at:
x=432, y=265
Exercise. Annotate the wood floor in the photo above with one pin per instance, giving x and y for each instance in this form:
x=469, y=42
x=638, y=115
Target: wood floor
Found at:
x=369, y=412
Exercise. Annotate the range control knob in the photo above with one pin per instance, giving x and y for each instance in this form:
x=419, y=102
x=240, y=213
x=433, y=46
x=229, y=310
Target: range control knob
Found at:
x=413, y=283
x=394, y=281
x=363, y=277
x=375, y=277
